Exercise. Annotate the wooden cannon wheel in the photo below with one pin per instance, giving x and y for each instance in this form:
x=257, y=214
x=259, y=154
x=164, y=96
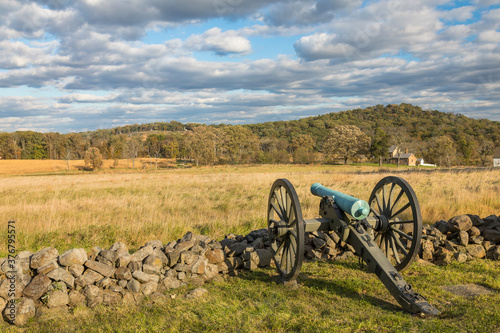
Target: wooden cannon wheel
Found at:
x=286, y=229
x=399, y=230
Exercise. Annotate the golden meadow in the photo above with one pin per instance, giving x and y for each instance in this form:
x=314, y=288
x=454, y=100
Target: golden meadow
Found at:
x=54, y=207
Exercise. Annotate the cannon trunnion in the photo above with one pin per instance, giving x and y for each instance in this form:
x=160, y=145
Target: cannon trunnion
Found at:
x=385, y=232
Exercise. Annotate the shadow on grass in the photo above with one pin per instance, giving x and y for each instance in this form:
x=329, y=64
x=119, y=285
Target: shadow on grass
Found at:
x=339, y=286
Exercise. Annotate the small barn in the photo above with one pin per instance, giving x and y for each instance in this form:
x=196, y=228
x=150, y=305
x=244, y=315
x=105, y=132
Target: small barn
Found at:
x=496, y=157
x=404, y=159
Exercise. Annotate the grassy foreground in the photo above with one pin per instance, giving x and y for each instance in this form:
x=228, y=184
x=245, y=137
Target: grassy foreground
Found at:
x=332, y=297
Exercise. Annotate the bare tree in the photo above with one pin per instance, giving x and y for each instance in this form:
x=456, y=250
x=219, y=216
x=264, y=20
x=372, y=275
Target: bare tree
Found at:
x=133, y=149
x=67, y=155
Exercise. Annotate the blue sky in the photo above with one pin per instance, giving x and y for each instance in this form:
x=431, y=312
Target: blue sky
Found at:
x=87, y=64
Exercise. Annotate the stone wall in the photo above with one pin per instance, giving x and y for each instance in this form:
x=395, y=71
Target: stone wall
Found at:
x=47, y=279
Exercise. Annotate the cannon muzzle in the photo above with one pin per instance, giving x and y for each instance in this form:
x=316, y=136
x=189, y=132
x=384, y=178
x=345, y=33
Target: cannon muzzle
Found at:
x=357, y=208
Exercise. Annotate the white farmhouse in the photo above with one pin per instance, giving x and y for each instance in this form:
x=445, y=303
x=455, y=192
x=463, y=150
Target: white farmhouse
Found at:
x=496, y=157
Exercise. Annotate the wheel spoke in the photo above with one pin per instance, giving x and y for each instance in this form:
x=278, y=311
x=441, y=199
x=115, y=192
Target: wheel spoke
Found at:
x=384, y=205
x=395, y=251
x=279, y=199
x=378, y=203
x=398, y=243
x=374, y=212
x=390, y=195
x=403, y=234
x=402, y=222
x=397, y=200
x=386, y=246
x=405, y=207
x=288, y=206
x=277, y=210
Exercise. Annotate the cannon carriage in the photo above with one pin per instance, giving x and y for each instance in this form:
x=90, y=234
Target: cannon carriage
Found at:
x=385, y=232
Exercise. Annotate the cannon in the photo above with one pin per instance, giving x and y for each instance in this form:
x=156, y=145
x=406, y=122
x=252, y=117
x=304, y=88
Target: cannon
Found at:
x=385, y=232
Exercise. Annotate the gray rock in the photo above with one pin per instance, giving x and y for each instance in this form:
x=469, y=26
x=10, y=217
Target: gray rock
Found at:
x=215, y=256
x=173, y=257
x=463, y=238
x=73, y=257
x=474, y=232
x=37, y=287
x=110, y=298
x=427, y=250
x=93, y=253
x=135, y=266
x=442, y=226
x=24, y=255
x=495, y=253
x=460, y=223
x=149, y=287
x=155, y=244
x=43, y=257
x=492, y=219
x=250, y=265
x=123, y=260
x=145, y=277
x=318, y=243
x=75, y=298
x=6, y=287
x=151, y=269
x=57, y=298
x=134, y=286
x=476, y=220
x=170, y=283
x=76, y=270
x=47, y=268
x=476, y=251
x=211, y=271
x=91, y=292
x=184, y=245
x=123, y=273
x=61, y=274
x=132, y=297
x=197, y=293
x=236, y=249
x=265, y=257
x=188, y=257
x=141, y=254
x=199, y=266
x=100, y=268
x=104, y=283
x=119, y=248
x=107, y=257
x=460, y=257
x=89, y=277
x=491, y=235
x=19, y=312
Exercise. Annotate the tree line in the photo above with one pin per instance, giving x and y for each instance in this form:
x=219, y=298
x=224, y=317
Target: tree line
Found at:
x=443, y=138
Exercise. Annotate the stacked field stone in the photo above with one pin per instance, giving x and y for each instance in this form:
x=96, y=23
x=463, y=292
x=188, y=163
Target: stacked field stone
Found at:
x=47, y=279
x=462, y=238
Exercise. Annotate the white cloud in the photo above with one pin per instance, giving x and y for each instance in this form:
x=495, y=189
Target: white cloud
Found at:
x=222, y=43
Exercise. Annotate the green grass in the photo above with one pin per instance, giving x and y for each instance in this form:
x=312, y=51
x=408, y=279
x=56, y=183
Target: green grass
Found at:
x=332, y=297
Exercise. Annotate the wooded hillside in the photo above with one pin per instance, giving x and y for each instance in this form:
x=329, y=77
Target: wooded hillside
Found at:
x=442, y=138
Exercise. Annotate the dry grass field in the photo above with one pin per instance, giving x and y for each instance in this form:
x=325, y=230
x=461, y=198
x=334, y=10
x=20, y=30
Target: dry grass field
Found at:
x=16, y=167
x=87, y=209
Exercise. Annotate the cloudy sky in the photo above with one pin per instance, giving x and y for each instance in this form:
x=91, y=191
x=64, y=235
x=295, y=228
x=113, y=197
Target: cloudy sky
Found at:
x=75, y=65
